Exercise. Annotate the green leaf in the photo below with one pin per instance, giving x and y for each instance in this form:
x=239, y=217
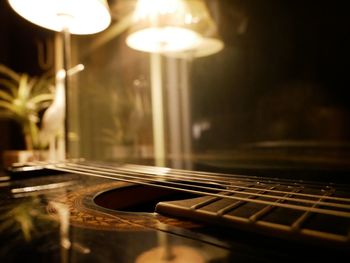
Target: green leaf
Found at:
x=9, y=85
x=26, y=223
x=23, y=89
x=8, y=106
x=6, y=96
x=41, y=98
x=10, y=73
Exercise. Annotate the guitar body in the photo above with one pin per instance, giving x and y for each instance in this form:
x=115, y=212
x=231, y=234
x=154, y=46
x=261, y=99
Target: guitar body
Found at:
x=78, y=218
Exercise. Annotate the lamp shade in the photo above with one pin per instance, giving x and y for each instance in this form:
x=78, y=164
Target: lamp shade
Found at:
x=78, y=16
x=173, y=27
x=201, y=22
x=159, y=26
x=206, y=47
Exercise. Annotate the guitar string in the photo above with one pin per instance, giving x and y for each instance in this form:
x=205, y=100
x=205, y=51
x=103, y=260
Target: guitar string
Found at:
x=114, y=168
x=200, y=174
x=210, y=174
x=189, y=178
x=179, y=183
x=132, y=179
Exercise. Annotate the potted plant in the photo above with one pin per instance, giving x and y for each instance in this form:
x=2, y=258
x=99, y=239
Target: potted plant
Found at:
x=23, y=98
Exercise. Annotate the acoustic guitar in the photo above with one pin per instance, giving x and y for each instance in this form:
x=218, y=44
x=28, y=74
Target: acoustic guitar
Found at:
x=82, y=211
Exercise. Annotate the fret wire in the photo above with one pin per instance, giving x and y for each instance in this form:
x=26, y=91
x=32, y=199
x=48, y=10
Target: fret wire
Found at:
x=298, y=222
x=290, y=206
x=220, y=212
x=229, y=208
x=330, y=204
x=204, y=203
x=253, y=188
x=269, y=208
x=260, y=213
x=209, y=201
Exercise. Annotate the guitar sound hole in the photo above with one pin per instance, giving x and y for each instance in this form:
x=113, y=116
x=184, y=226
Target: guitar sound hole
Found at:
x=139, y=198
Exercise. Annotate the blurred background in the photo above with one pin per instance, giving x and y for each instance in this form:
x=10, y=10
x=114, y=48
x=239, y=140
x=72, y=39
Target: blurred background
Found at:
x=273, y=98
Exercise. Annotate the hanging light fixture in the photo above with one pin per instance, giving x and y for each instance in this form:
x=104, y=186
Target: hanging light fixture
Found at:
x=201, y=22
x=79, y=16
x=173, y=27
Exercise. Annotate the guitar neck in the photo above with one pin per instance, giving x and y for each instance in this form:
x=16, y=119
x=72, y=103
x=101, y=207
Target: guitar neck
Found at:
x=300, y=210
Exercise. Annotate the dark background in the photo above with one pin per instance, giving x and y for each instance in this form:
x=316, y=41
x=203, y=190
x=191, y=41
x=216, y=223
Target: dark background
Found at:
x=283, y=75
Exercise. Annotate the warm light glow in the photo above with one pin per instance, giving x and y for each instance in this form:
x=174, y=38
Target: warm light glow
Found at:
x=162, y=40
x=79, y=16
x=160, y=27
x=153, y=8
x=206, y=47
x=176, y=28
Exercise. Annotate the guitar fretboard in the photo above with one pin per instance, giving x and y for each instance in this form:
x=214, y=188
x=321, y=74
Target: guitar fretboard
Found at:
x=274, y=206
x=282, y=208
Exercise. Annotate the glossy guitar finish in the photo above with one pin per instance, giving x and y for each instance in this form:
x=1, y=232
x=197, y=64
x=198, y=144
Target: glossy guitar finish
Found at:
x=104, y=226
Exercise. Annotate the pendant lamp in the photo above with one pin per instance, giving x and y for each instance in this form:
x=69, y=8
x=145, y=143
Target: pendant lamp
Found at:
x=79, y=16
x=173, y=27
